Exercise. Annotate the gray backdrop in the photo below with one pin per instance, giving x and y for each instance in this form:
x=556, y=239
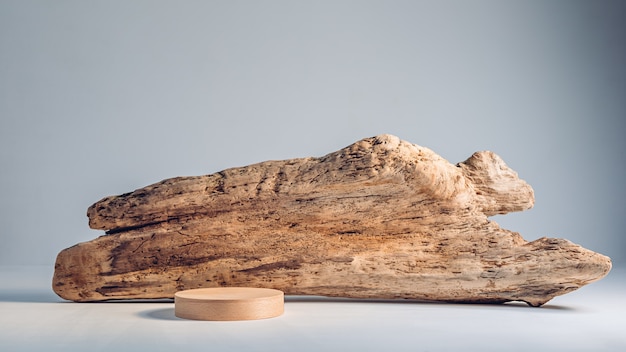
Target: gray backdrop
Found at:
x=103, y=97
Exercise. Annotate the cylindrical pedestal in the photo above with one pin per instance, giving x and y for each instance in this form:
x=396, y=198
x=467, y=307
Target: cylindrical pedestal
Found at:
x=229, y=303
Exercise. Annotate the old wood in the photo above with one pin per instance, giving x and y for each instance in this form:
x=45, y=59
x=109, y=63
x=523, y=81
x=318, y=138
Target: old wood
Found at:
x=381, y=218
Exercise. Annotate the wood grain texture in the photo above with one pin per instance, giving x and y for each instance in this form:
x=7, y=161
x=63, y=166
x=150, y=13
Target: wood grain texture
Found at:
x=228, y=303
x=381, y=218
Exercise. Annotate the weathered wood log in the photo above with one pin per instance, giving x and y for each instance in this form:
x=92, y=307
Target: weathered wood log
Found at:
x=381, y=218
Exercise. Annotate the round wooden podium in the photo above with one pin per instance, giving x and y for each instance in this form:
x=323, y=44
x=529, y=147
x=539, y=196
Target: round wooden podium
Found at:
x=229, y=303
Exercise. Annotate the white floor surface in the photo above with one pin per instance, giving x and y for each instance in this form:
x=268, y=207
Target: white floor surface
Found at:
x=33, y=318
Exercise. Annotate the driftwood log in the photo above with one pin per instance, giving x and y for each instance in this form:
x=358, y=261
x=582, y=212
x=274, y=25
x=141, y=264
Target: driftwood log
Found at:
x=381, y=218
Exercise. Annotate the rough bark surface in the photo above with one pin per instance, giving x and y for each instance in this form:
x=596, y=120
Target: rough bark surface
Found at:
x=381, y=218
